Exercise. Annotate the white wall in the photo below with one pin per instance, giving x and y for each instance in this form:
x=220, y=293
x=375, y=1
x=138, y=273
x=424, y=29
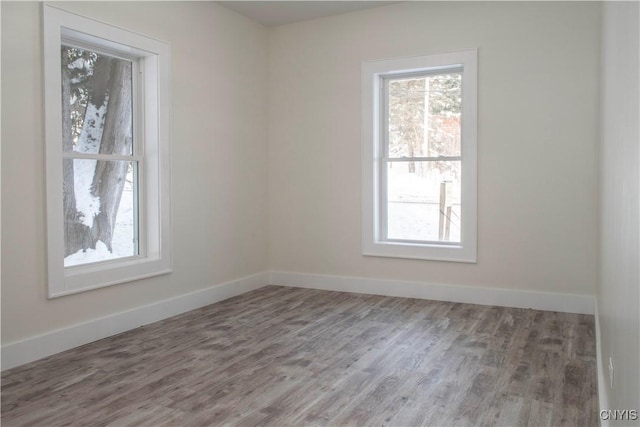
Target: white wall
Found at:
x=538, y=79
x=218, y=159
x=618, y=291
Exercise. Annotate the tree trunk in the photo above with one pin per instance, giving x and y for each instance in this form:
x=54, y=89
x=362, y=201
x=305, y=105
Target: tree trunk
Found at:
x=75, y=231
x=109, y=178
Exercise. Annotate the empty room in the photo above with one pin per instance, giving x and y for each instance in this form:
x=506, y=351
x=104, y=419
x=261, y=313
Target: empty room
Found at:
x=311, y=213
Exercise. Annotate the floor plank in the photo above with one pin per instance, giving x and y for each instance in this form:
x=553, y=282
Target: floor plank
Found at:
x=286, y=356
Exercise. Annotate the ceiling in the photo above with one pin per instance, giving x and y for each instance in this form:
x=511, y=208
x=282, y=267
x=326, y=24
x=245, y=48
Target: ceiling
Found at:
x=271, y=13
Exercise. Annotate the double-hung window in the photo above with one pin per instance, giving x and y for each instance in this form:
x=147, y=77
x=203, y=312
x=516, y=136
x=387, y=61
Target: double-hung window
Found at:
x=419, y=125
x=106, y=112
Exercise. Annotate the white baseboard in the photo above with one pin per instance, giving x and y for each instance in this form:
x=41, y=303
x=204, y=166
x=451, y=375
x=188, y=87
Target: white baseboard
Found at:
x=603, y=399
x=34, y=348
x=548, y=301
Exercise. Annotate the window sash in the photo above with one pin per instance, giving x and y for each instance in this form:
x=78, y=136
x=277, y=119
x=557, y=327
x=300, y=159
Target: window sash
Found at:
x=383, y=177
x=384, y=200
x=137, y=99
x=87, y=156
x=139, y=228
x=70, y=38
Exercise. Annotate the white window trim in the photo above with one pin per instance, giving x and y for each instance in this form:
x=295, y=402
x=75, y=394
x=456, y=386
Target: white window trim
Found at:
x=372, y=73
x=154, y=55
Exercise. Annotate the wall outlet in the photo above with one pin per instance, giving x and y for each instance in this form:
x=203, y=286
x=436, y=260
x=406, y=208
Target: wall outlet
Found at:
x=611, y=372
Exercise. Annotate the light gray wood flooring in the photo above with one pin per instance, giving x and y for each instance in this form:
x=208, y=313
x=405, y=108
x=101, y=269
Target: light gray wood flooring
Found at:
x=285, y=356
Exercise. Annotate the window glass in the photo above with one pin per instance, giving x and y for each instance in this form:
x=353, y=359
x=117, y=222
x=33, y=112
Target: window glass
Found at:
x=99, y=195
x=423, y=201
x=423, y=196
x=103, y=225
x=96, y=102
x=424, y=102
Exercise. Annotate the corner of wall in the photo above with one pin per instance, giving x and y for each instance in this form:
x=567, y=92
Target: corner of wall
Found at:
x=603, y=394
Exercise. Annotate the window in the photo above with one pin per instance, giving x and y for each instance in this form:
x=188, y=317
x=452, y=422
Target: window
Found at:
x=107, y=149
x=419, y=120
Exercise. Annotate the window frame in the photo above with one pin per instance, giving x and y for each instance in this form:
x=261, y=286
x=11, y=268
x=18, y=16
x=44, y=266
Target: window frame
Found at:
x=374, y=76
x=151, y=80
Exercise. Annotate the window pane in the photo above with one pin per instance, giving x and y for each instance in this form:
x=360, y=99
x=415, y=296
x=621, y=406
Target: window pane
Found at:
x=423, y=201
x=418, y=103
x=100, y=210
x=96, y=103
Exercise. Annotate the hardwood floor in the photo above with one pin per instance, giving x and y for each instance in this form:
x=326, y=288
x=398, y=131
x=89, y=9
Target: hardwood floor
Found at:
x=285, y=356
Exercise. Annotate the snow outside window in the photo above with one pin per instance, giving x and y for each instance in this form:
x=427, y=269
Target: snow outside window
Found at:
x=419, y=157
x=106, y=104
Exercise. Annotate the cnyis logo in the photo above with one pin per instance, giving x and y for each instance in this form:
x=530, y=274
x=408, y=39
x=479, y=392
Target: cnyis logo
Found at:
x=619, y=414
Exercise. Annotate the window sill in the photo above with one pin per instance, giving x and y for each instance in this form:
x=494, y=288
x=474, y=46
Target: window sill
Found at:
x=431, y=252
x=103, y=285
